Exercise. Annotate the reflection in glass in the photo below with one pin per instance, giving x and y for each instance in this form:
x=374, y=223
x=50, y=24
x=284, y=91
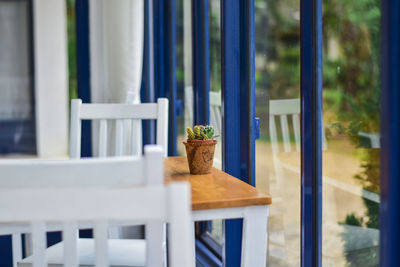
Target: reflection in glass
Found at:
x=277, y=70
x=351, y=118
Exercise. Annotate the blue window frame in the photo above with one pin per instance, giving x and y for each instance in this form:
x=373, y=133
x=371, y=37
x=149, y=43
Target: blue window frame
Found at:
x=201, y=64
x=165, y=63
x=311, y=131
x=147, y=92
x=390, y=133
x=238, y=101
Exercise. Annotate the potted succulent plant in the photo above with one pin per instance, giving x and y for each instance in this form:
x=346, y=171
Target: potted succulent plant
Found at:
x=200, y=147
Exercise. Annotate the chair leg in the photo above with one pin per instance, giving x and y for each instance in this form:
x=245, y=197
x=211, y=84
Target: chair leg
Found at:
x=254, y=240
x=155, y=230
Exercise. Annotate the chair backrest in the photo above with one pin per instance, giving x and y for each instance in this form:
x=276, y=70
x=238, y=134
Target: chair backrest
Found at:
x=100, y=206
x=82, y=185
x=85, y=172
x=127, y=119
x=285, y=108
x=373, y=138
x=215, y=109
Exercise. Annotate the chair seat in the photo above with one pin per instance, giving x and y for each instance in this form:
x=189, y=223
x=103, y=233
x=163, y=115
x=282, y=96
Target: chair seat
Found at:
x=122, y=252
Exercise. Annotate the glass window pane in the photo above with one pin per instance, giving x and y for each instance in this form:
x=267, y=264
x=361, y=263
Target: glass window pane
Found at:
x=277, y=74
x=17, y=131
x=351, y=98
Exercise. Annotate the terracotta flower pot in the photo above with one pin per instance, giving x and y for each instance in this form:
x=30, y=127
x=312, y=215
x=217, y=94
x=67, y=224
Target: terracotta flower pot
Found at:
x=200, y=155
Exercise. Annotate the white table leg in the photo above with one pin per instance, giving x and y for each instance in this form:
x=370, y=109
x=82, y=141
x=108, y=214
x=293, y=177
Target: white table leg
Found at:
x=254, y=240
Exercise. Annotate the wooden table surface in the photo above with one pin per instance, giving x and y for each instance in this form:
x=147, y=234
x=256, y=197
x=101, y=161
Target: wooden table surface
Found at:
x=216, y=190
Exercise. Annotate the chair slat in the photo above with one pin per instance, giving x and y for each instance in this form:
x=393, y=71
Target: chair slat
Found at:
x=119, y=138
x=272, y=133
x=39, y=244
x=219, y=120
x=284, y=106
x=285, y=133
x=75, y=130
x=324, y=142
x=70, y=237
x=162, y=124
x=71, y=173
x=125, y=112
x=215, y=111
x=16, y=248
x=296, y=129
x=126, y=127
x=103, y=139
x=101, y=243
x=136, y=138
x=147, y=111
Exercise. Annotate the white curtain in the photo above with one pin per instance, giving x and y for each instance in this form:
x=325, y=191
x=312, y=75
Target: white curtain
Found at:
x=116, y=40
x=116, y=60
x=123, y=29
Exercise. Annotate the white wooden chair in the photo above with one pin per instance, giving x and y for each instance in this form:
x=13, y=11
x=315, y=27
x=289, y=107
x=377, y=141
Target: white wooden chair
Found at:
x=99, y=206
x=88, y=172
x=215, y=109
x=126, y=133
x=127, y=118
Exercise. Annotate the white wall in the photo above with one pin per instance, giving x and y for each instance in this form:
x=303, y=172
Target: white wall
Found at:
x=51, y=77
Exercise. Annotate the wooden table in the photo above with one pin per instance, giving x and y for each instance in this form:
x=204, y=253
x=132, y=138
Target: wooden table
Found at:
x=221, y=196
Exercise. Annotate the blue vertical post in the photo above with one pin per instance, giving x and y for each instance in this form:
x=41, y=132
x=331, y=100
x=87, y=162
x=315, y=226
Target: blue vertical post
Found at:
x=83, y=68
x=311, y=131
x=201, y=61
x=83, y=77
x=159, y=39
x=238, y=93
x=390, y=135
x=170, y=70
x=165, y=63
x=147, y=87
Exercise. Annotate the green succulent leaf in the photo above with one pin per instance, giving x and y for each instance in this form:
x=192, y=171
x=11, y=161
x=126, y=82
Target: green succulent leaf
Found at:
x=190, y=133
x=200, y=132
